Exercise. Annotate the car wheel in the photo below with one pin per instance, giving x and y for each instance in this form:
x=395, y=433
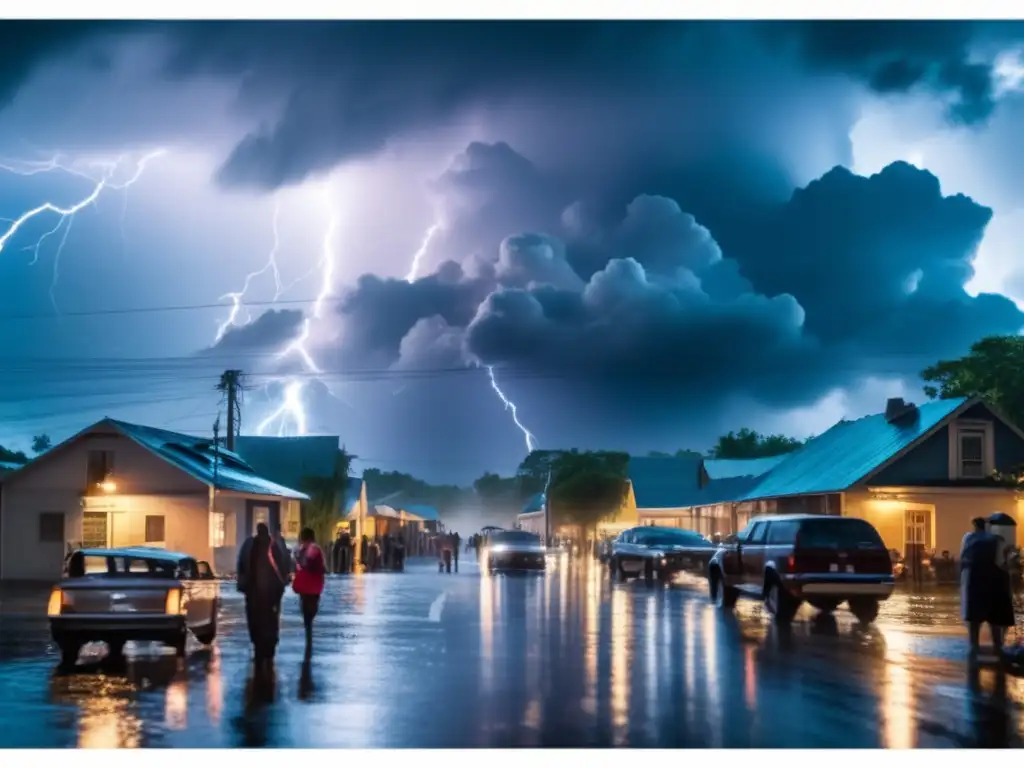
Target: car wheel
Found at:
x=69, y=650
x=779, y=603
x=649, y=572
x=864, y=608
x=206, y=635
x=721, y=593
x=179, y=645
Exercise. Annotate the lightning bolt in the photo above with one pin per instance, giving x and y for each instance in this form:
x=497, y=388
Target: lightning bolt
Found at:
x=417, y=257
x=510, y=406
x=271, y=266
x=108, y=172
x=414, y=268
x=290, y=416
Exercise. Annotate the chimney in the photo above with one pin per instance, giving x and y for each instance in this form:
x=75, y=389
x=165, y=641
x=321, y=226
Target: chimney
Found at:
x=897, y=411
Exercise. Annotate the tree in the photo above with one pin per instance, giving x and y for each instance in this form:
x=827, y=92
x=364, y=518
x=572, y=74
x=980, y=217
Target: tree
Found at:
x=322, y=512
x=532, y=474
x=12, y=457
x=748, y=444
x=588, y=487
x=993, y=369
x=41, y=443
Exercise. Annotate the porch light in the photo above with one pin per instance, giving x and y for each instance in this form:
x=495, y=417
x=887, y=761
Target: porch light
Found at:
x=108, y=486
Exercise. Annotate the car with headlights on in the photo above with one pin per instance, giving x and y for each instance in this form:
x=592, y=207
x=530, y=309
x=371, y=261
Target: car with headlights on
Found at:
x=659, y=553
x=514, y=551
x=134, y=593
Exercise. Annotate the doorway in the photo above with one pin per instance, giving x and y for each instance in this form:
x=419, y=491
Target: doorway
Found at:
x=95, y=530
x=918, y=536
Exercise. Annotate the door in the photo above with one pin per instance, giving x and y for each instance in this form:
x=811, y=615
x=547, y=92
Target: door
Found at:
x=918, y=537
x=256, y=512
x=753, y=557
x=94, y=530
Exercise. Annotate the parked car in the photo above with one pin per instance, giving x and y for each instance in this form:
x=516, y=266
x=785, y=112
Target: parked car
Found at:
x=658, y=553
x=514, y=551
x=789, y=559
x=135, y=593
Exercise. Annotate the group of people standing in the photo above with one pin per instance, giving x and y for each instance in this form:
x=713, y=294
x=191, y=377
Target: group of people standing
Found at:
x=385, y=552
x=265, y=570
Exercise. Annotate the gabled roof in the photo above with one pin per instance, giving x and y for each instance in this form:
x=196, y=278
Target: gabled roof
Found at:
x=849, y=451
x=290, y=460
x=718, y=469
x=665, y=482
x=401, y=500
x=195, y=456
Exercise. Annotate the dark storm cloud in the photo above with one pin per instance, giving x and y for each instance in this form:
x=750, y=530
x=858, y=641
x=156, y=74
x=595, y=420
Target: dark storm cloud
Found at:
x=875, y=261
x=24, y=45
x=896, y=56
x=851, y=277
x=271, y=330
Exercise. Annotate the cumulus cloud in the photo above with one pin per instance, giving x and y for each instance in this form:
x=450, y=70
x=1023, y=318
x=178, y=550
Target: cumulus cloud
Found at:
x=270, y=330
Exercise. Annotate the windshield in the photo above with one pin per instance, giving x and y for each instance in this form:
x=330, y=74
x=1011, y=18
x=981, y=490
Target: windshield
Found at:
x=838, y=533
x=514, y=537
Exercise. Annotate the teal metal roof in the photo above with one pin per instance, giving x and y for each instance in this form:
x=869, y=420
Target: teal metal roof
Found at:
x=534, y=504
x=195, y=456
x=665, y=482
x=289, y=460
x=718, y=469
x=424, y=511
x=837, y=459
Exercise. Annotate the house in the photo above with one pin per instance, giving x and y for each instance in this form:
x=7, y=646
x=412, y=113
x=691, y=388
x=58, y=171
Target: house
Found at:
x=120, y=484
x=919, y=474
x=662, y=489
x=533, y=518
x=396, y=509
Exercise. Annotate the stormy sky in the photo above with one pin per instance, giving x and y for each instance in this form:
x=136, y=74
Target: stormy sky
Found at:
x=649, y=233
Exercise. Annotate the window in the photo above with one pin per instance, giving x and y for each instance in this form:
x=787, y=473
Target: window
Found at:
x=756, y=535
x=155, y=529
x=51, y=527
x=101, y=466
x=972, y=453
x=839, y=533
x=218, y=529
x=782, y=533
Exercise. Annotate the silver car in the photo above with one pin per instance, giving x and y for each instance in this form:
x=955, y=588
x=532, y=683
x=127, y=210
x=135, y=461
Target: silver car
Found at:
x=514, y=551
x=135, y=593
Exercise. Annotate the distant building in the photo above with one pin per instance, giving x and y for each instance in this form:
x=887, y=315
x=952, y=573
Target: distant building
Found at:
x=120, y=484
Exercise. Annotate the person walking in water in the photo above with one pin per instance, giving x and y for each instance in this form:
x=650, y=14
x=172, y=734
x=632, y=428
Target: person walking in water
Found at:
x=262, y=577
x=309, y=582
x=455, y=549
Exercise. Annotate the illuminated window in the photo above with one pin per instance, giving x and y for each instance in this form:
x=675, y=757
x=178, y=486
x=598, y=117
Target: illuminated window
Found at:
x=218, y=529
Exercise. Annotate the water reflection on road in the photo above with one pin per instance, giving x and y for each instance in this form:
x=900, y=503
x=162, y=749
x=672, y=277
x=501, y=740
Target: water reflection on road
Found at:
x=563, y=659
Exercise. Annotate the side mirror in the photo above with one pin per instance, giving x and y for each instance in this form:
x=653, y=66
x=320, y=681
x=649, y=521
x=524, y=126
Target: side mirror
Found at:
x=205, y=571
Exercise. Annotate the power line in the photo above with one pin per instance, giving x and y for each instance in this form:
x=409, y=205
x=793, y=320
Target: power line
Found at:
x=148, y=310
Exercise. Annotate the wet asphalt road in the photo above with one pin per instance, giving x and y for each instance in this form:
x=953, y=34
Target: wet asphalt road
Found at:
x=568, y=659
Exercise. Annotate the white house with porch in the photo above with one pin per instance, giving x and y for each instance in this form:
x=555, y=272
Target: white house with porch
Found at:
x=119, y=484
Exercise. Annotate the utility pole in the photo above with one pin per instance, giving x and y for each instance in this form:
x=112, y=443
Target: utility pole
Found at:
x=231, y=385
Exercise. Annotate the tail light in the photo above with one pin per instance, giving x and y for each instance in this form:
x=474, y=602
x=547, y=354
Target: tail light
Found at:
x=56, y=603
x=175, y=604
x=791, y=564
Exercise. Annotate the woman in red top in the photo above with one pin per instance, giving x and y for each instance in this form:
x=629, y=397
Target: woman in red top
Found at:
x=309, y=581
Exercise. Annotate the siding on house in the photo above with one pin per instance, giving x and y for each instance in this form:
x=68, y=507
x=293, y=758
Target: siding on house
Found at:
x=146, y=485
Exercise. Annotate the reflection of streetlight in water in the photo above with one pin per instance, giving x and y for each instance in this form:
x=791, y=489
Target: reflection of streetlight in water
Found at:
x=214, y=687
x=105, y=722
x=176, y=705
x=897, y=693
x=621, y=658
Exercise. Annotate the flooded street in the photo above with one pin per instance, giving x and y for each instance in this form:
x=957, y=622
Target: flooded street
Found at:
x=422, y=659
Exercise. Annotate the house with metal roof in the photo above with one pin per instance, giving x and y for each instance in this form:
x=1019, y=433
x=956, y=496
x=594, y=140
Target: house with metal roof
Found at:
x=919, y=474
x=116, y=484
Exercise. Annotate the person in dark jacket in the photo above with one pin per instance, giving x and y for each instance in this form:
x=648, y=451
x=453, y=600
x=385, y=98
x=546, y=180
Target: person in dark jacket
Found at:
x=263, y=568
x=455, y=549
x=985, y=593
